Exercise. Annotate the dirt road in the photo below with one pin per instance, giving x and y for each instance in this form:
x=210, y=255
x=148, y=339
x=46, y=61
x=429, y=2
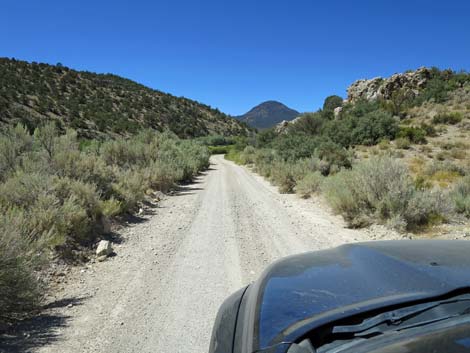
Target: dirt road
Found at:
x=162, y=290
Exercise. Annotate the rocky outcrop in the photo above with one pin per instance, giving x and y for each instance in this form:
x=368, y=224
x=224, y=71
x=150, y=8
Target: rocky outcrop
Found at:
x=283, y=126
x=411, y=82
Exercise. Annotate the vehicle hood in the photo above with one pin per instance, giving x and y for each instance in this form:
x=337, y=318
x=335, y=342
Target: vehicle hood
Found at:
x=302, y=292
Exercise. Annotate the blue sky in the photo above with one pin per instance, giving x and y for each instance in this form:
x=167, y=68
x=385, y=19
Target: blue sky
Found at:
x=236, y=54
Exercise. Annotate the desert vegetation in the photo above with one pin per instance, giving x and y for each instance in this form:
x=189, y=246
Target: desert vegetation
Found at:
x=100, y=105
x=401, y=161
x=58, y=193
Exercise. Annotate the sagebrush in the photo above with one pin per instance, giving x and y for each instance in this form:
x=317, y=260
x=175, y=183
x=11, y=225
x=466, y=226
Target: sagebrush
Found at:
x=57, y=192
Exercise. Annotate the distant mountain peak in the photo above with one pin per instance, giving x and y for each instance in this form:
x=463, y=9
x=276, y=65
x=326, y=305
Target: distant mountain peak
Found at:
x=268, y=114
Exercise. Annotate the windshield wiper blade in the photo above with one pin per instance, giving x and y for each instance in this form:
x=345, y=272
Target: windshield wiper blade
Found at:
x=388, y=317
x=379, y=329
x=394, y=317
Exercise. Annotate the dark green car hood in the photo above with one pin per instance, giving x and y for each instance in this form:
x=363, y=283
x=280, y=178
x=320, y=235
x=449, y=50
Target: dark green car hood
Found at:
x=302, y=292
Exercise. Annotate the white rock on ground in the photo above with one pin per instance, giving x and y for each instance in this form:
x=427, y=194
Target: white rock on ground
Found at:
x=104, y=248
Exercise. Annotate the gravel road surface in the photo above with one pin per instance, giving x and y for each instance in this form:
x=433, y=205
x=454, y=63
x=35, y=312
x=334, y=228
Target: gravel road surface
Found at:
x=161, y=292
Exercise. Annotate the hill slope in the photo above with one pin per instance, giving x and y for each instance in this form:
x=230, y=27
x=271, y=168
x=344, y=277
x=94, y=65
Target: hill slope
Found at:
x=268, y=114
x=100, y=105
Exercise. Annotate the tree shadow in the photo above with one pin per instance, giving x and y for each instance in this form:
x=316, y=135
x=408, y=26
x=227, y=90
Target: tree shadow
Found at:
x=134, y=219
x=182, y=190
x=113, y=237
x=40, y=330
x=186, y=183
x=206, y=171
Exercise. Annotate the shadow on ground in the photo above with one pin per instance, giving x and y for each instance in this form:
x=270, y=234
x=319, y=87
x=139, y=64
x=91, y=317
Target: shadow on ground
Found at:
x=43, y=329
x=182, y=190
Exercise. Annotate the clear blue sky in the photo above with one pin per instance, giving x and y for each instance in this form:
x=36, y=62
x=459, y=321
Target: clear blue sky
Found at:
x=236, y=54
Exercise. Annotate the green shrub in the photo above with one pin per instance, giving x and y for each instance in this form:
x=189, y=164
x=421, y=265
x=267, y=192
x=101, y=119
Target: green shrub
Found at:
x=334, y=157
x=444, y=166
x=264, y=161
x=436, y=89
x=332, y=102
x=87, y=168
x=309, y=184
x=308, y=123
x=216, y=140
x=219, y=149
x=428, y=129
x=451, y=118
x=384, y=144
x=461, y=196
x=426, y=207
x=363, y=107
x=13, y=143
x=382, y=190
x=283, y=175
x=60, y=190
x=45, y=138
x=422, y=183
x=265, y=137
x=413, y=134
x=21, y=291
x=84, y=206
x=111, y=207
x=233, y=155
x=162, y=176
x=247, y=156
x=367, y=129
x=343, y=199
x=403, y=143
x=292, y=146
x=130, y=189
x=45, y=217
x=57, y=210
x=122, y=153
x=398, y=101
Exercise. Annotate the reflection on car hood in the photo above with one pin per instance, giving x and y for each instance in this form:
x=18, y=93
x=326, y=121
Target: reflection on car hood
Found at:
x=301, y=292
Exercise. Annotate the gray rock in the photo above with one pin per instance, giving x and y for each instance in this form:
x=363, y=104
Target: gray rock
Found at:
x=411, y=82
x=283, y=126
x=104, y=248
x=337, y=111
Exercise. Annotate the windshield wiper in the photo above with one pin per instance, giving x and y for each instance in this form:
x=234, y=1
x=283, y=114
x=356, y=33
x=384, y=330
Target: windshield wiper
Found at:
x=417, y=315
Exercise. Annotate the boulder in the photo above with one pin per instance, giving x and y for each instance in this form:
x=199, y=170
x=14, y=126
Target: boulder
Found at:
x=412, y=82
x=281, y=127
x=337, y=111
x=104, y=248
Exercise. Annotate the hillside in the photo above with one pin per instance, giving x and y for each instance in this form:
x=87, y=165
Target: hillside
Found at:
x=268, y=114
x=394, y=153
x=100, y=105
